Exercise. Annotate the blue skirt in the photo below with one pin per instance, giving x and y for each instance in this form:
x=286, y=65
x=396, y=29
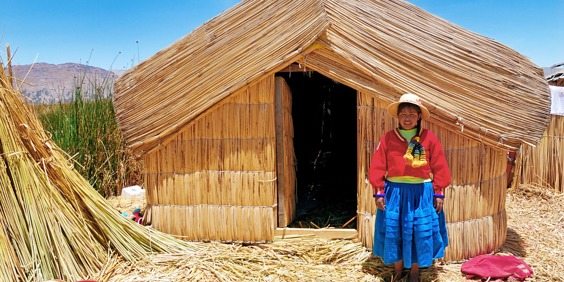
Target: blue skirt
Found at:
x=410, y=229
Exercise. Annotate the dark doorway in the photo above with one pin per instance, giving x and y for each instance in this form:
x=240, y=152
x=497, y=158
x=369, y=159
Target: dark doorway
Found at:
x=324, y=114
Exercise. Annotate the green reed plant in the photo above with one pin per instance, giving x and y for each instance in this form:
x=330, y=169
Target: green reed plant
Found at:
x=85, y=127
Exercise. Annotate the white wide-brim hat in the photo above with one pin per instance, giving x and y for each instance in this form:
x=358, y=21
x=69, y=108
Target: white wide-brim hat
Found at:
x=412, y=99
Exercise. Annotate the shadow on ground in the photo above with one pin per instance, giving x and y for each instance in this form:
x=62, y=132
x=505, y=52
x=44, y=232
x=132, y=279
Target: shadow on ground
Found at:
x=376, y=267
x=514, y=244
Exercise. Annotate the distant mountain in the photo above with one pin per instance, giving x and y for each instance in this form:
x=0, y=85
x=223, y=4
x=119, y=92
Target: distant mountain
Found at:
x=49, y=83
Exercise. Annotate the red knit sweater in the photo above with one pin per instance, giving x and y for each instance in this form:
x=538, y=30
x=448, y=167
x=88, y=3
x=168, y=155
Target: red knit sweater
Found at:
x=388, y=161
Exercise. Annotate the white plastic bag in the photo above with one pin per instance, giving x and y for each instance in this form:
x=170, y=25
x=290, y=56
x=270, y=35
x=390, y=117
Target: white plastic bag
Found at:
x=133, y=192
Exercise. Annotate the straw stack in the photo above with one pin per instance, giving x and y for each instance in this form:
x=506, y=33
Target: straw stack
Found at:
x=54, y=224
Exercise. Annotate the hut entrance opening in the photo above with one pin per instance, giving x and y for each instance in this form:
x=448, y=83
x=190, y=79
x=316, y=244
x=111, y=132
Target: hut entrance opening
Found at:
x=324, y=118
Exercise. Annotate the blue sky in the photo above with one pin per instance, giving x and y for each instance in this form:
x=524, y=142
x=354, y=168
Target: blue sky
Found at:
x=118, y=34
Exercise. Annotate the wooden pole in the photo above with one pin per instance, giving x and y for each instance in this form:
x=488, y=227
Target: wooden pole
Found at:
x=10, y=73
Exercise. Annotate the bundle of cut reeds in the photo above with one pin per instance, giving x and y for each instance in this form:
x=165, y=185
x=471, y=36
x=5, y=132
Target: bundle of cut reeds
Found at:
x=54, y=224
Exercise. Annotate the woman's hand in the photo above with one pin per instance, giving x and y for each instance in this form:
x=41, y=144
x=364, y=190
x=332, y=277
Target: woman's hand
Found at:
x=438, y=204
x=380, y=203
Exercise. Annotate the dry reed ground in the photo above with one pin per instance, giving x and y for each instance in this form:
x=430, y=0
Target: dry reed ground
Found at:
x=535, y=234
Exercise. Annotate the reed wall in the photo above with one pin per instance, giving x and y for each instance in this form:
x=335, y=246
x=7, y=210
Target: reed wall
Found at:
x=373, y=122
x=216, y=178
x=286, y=167
x=475, y=201
x=543, y=165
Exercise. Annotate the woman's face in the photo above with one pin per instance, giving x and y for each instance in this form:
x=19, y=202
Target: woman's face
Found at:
x=408, y=117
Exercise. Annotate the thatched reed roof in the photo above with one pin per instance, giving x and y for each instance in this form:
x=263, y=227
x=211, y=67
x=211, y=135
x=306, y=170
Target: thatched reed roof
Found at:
x=471, y=83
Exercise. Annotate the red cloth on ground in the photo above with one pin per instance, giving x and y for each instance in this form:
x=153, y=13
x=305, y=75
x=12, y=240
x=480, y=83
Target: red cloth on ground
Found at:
x=497, y=267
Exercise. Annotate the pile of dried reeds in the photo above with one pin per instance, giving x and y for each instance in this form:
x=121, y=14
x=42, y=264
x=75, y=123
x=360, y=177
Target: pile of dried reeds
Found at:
x=536, y=230
x=298, y=259
x=54, y=224
x=537, y=240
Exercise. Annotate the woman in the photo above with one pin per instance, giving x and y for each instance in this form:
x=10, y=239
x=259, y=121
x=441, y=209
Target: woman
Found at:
x=408, y=174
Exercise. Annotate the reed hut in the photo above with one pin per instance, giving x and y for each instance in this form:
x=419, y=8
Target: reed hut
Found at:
x=543, y=165
x=213, y=115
